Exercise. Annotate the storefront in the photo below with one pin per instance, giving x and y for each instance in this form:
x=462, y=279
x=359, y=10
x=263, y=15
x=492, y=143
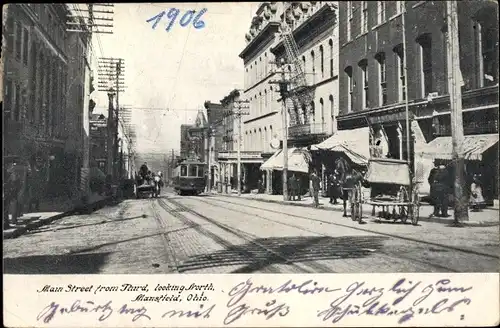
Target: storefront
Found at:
x=354, y=144
x=480, y=154
x=250, y=174
x=299, y=161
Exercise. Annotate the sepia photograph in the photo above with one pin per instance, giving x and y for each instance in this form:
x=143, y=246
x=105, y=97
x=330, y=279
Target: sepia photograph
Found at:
x=250, y=137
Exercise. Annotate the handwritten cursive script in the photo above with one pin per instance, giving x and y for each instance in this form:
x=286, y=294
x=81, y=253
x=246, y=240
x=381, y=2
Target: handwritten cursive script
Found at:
x=48, y=313
x=308, y=287
x=380, y=302
x=270, y=310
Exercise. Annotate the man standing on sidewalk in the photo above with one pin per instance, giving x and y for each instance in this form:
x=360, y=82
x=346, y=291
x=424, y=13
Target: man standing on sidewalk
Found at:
x=315, y=182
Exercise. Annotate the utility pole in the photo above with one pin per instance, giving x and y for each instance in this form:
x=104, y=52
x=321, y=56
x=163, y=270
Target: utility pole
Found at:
x=110, y=79
x=239, y=109
x=284, y=92
x=209, y=154
x=109, y=139
x=457, y=132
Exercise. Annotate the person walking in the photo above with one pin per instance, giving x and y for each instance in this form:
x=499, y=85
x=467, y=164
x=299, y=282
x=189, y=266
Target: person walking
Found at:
x=315, y=182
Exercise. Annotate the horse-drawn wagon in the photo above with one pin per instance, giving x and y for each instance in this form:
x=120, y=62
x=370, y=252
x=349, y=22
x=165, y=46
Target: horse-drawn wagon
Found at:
x=391, y=186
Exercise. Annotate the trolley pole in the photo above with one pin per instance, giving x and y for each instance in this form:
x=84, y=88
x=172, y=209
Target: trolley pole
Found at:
x=457, y=132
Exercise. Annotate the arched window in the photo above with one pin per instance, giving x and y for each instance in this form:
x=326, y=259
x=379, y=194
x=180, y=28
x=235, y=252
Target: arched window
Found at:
x=260, y=68
x=398, y=51
x=425, y=58
x=313, y=64
x=332, y=112
x=382, y=90
x=304, y=67
x=350, y=88
x=486, y=35
x=322, y=61
x=322, y=113
x=330, y=46
x=260, y=103
x=266, y=109
x=363, y=64
x=266, y=139
x=271, y=131
x=265, y=64
x=313, y=111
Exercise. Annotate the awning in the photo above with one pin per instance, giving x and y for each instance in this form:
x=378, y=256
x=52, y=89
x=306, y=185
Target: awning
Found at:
x=354, y=143
x=473, y=147
x=298, y=161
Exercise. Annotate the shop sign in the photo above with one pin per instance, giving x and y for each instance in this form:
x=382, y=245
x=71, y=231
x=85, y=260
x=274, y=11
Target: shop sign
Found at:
x=243, y=155
x=392, y=117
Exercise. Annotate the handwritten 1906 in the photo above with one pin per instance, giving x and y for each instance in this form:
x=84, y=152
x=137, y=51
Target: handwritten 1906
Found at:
x=172, y=15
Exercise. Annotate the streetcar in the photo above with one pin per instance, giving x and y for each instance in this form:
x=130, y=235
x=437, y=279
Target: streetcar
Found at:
x=189, y=177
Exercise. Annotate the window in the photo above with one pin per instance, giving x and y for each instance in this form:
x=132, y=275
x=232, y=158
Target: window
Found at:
x=349, y=18
x=18, y=38
x=313, y=63
x=200, y=171
x=332, y=112
x=364, y=17
x=322, y=112
x=313, y=111
x=9, y=93
x=260, y=68
x=486, y=30
x=364, y=79
x=17, y=104
x=184, y=170
x=193, y=170
x=330, y=44
x=260, y=103
x=425, y=53
x=265, y=99
x=380, y=12
x=260, y=139
x=304, y=63
x=246, y=78
x=350, y=84
x=398, y=50
x=10, y=34
x=400, y=6
x=322, y=61
x=265, y=64
x=380, y=57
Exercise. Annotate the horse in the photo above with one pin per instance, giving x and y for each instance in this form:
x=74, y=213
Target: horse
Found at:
x=349, y=178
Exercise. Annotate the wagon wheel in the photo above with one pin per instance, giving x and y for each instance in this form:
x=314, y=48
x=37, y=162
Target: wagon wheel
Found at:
x=404, y=209
x=415, y=207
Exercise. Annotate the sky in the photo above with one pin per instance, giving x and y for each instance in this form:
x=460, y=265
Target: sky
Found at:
x=178, y=69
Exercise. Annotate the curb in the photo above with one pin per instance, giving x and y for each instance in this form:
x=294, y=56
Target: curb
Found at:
x=477, y=224
x=87, y=208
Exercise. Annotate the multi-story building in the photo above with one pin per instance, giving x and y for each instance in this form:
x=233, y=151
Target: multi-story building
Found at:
x=314, y=29
x=215, y=120
x=314, y=26
x=37, y=107
x=193, y=138
x=373, y=87
x=98, y=144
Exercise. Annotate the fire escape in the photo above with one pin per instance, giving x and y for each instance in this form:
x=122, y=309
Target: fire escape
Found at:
x=300, y=94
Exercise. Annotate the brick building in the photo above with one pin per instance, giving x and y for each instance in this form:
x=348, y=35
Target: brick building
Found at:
x=38, y=113
x=98, y=144
x=372, y=84
x=193, y=138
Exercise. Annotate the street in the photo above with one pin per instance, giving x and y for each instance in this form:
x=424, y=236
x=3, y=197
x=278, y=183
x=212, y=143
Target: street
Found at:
x=221, y=234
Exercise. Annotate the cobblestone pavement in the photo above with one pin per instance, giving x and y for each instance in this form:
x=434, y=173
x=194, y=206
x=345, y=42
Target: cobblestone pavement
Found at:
x=215, y=234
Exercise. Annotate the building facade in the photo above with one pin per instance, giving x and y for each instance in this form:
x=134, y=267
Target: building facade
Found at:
x=98, y=144
x=193, y=138
x=37, y=107
x=215, y=120
x=314, y=29
x=373, y=88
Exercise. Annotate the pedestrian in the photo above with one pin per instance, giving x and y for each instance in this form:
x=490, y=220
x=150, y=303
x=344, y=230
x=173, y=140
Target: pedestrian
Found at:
x=294, y=187
x=333, y=187
x=476, y=193
x=439, y=182
x=315, y=183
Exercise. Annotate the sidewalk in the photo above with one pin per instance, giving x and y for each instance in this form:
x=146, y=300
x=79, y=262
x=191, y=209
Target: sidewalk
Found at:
x=488, y=217
x=50, y=211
